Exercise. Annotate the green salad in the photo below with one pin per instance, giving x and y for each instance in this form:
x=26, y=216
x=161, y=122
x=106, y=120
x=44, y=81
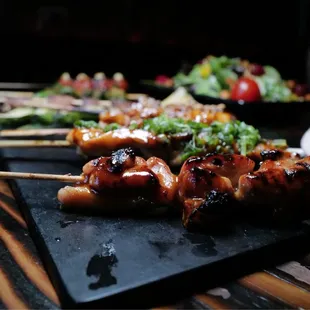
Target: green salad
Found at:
x=236, y=79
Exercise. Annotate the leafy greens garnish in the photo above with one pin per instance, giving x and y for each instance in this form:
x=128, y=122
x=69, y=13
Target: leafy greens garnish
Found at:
x=95, y=125
x=219, y=137
x=166, y=125
x=86, y=124
x=230, y=137
x=110, y=127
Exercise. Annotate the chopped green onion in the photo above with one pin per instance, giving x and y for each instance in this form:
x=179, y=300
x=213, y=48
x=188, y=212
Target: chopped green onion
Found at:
x=86, y=124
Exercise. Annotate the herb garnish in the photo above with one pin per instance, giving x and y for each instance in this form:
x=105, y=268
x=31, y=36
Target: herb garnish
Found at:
x=86, y=124
x=166, y=125
x=231, y=137
x=110, y=127
x=217, y=137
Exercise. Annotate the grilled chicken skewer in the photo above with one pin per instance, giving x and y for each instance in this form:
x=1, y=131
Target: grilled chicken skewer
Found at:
x=207, y=186
x=172, y=139
x=125, y=113
x=213, y=186
x=121, y=183
x=209, y=189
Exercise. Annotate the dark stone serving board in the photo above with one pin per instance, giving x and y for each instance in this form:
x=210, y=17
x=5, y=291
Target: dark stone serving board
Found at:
x=127, y=261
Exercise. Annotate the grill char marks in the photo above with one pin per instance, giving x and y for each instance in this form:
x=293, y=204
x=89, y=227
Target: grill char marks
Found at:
x=206, y=188
x=215, y=186
x=306, y=165
x=121, y=159
x=280, y=187
x=118, y=182
x=267, y=151
x=214, y=213
x=271, y=154
x=211, y=189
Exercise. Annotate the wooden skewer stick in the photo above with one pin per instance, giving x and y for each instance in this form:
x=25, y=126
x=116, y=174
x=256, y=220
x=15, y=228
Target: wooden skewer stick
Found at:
x=34, y=143
x=34, y=132
x=41, y=176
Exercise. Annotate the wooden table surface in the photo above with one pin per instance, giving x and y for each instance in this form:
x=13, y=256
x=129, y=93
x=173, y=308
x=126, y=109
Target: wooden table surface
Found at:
x=24, y=284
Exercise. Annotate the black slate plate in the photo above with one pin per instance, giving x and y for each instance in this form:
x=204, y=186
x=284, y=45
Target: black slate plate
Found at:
x=127, y=261
x=260, y=113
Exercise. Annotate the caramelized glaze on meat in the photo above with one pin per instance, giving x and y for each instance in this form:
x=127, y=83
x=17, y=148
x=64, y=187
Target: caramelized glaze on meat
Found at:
x=280, y=183
x=122, y=182
x=207, y=186
x=267, y=150
x=95, y=142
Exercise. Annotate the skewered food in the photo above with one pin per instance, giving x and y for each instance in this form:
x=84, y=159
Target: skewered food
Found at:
x=172, y=139
x=125, y=113
x=207, y=186
x=210, y=189
x=143, y=184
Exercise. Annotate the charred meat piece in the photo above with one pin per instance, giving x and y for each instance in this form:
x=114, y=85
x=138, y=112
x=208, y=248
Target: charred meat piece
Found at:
x=213, y=187
x=266, y=150
x=207, y=186
x=279, y=188
x=120, y=183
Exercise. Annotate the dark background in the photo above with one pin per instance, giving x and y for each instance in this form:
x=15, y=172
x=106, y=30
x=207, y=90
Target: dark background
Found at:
x=145, y=38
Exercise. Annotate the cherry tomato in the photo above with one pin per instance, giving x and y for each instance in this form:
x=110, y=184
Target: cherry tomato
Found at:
x=245, y=89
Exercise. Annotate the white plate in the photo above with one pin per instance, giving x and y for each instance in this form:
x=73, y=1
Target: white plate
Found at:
x=305, y=142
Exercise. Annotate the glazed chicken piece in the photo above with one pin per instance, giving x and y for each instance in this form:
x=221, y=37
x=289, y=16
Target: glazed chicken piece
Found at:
x=95, y=142
x=120, y=183
x=267, y=150
x=279, y=188
x=207, y=186
x=213, y=187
